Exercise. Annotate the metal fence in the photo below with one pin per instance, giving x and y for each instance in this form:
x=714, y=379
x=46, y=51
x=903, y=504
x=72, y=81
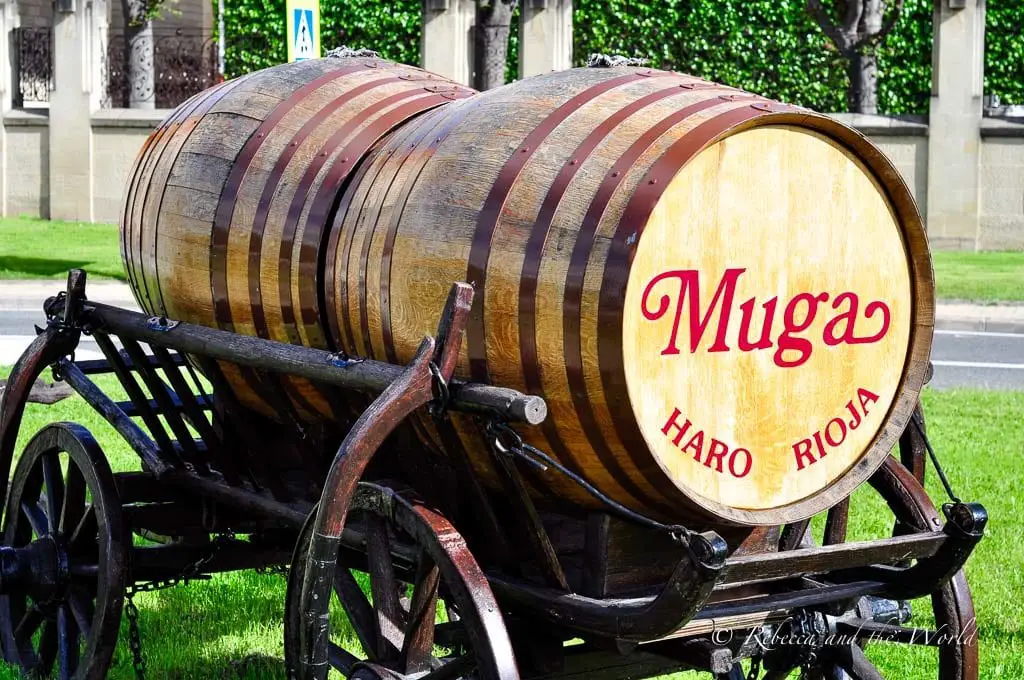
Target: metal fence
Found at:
x=174, y=66
x=32, y=51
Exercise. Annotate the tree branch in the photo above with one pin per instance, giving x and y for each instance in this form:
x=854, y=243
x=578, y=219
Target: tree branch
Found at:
x=823, y=19
x=854, y=11
x=894, y=15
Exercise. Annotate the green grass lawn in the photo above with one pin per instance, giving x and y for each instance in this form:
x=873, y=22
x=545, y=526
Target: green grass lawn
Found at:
x=980, y=277
x=43, y=249
x=230, y=626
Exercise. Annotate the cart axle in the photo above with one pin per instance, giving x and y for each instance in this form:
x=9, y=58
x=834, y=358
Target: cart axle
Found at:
x=41, y=567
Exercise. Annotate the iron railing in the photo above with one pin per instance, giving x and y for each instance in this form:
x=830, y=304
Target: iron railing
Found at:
x=33, y=64
x=175, y=65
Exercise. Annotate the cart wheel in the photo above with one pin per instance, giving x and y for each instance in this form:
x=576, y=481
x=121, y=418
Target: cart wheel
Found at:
x=415, y=560
x=952, y=604
x=63, y=558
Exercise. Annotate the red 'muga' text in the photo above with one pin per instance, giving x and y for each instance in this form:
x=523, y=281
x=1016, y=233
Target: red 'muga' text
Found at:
x=798, y=314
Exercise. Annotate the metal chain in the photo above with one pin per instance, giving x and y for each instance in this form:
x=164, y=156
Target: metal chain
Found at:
x=915, y=418
x=191, y=572
x=134, y=639
x=540, y=460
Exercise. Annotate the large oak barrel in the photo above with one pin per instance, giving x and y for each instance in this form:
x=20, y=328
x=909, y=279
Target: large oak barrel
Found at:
x=726, y=301
x=228, y=200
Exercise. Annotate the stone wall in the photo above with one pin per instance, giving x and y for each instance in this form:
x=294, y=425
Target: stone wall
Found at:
x=118, y=134
x=26, y=164
x=1001, y=220
x=116, y=137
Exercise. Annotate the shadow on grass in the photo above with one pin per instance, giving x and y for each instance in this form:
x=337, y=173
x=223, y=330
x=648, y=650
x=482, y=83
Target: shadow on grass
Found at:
x=38, y=266
x=228, y=627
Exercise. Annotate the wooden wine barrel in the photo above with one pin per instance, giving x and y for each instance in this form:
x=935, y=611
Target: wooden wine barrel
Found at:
x=727, y=302
x=228, y=201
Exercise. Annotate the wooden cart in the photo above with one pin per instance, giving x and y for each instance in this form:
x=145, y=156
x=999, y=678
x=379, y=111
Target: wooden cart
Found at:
x=464, y=581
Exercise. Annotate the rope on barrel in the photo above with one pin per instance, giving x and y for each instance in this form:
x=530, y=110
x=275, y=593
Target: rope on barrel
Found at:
x=597, y=60
x=918, y=423
x=346, y=52
x=515, y=445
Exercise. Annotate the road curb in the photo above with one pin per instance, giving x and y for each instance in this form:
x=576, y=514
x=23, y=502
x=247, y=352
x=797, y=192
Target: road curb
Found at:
x=979, y=325
x=959, y=316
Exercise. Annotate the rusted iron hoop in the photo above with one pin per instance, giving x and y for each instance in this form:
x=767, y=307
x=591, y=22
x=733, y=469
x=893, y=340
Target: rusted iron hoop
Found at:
x=464, y=585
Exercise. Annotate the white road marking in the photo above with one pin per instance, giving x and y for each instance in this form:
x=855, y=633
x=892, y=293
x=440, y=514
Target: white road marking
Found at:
x=977, y=364
x=982, y=334
x=12, y=347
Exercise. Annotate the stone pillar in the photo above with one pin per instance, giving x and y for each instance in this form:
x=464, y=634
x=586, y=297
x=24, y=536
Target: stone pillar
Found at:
x=446, y=47
x=954, y=135
x=75, y=96
x=545, y=36
x=8, y=22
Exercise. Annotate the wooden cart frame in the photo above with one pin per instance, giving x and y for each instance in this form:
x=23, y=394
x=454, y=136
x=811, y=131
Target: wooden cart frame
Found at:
x=527, y=591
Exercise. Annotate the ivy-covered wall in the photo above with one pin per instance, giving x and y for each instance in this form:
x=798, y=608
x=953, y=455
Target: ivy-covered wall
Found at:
x=1004, y=50
x=772, y=47
x=255, y=30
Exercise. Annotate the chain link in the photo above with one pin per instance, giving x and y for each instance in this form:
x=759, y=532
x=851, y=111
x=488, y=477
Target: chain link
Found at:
x=134, y=639
x=191, y=572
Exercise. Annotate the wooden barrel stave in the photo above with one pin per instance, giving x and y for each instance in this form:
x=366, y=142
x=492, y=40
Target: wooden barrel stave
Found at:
x=622, y=136
x=234, y=190
x=344, y=224
x=454, y=228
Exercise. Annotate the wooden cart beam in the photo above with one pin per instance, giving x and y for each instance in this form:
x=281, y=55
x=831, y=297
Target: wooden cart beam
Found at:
x=318, y=365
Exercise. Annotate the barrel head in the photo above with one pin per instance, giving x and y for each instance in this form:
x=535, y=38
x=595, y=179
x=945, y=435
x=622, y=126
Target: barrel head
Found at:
x=767, y=322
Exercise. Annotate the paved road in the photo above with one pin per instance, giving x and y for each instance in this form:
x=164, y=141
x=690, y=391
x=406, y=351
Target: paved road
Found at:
x=976, y=359
x=961, y=358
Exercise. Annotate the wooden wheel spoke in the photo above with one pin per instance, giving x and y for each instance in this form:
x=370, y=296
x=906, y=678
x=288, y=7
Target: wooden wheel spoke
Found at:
x=340, y=659
x=836, y=521
x=67, y=643
x=36, y=517
x=856, y=664
x=53, y=483
x=82, y=610
x=390, y=617
x=64, y=487
x=29, y=624
x=456, y=668
x=48, y=645
x=86, y=529
x=360, y=612
x=419, y=633
x=73, y=506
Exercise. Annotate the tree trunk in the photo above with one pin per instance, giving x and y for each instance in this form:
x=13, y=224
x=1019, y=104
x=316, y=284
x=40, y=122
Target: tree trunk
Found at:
x=863, y=94
x=493, y=21
x=138, y=34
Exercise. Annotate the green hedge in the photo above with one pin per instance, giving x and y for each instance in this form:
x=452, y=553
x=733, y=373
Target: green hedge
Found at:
x=772, y=47
x=255, y=30
x=1004, y=50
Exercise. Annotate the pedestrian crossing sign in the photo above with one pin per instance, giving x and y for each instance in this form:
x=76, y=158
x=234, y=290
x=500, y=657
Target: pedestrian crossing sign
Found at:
x=303, y=24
